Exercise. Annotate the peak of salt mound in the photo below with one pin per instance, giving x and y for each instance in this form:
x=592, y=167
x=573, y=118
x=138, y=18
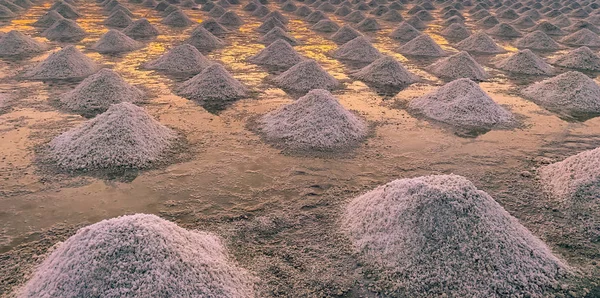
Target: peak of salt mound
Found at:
x=504, y=30
x=440, y=235
x=416, y=23
x=277, y=54
x=115, y=41
x=379, y=10
x=386, y=72
x=303, y=11
x=392, y=16
x=571, y=93
x=289, y=7
x=326, y=26
x=422, y=45
x=368, y=24
x=48, y=19
x=123, y=9
x=537, y=40
x=140, y=256
x=548, y=28
x=66, y=10
x=488, y=22
x=118, y=19
x=141, y=29
x=524, y=22
x=269, y=24
x=345, y=34
x=355, y=16
x=573, y=176
x=460, y=65
x=581, y=58
x=26, y=4
x=277, y=15
x=583, y=37
x=315, y=16
x=509, y=14
x=326, y=7
x=64, y=30
x=316, y=121
x=99, y=91
x=461, y=103
x=261, y=11
x=358, y=49
x=217, y=11
x=343, y=11
x=277, y=34
x=306, y=76
x=214, y=85
x=405, y=32
x=177, y=18
x=230, y=18
x=204, y=40
x=424, y=16
x=212, y=26
x=251, y=6
x=561, y=22
x=207, y=6
x=480, y=43
x=15, y=43
x=68, y=63
x=456, y=32
x=180, y=59
x=525, y=62
x=454, y=20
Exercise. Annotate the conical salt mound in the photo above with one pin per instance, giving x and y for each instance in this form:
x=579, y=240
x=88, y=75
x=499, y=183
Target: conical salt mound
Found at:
x=571, y=93
x=212, y=26
x=345, y=34
x=118, y=19
x=461, y=103
x=581, y=58
x=217, y=11
x=576, y=176
x=251, y=6
x=269, y=24
x=422, y=45
x=11, y=6
x=316, y=121
x=525, y=62
x=315, y=16
x=15, y=43
x=392, y=16
x=278, y=16
x=441, y=236
x=141, y=29
x=355, y=17
x=504, y=30
x=359, y=50
x=114, y=41
x=64, y=30
x=548, y=28
x=289, y=7
x=99, y=91
x=524, y=22
x=213, y=84
x=561, y=22
x=325, y=26
x=343, y=11
x=261, y=11
x=405, y=32
x=48, y=19
x=149, y=3
x=277, y=54
x=306, y=76
x=368, y=24
x=584, y=24
x=386, y=72
x=456, y=32
x=230, y=18
x=537, y=40
x=177, y=19
x=181, y=59
x=68, y=63
x=583, y=37
x=303, y=11
x=139, y=256
x=460, y=65
x=204, y=40
x=65, y=10
x=480, y=43
x=277, y=34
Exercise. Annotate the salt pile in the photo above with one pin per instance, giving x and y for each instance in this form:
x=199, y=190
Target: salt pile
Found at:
x=326, y=26
x=269, y=24
x=177, y=19
x=345, y=34
x=11, y=6
x=6, y=13
x=326, y=7
x=424, y=16
x=368, y=24
x=316, y=121
x=214, y=85
x=488, y=22
x=480, y=43
x=456, y=32
x=576, y=175
x=118, y=19
x=65, y=10
x=68, y=63
x=261, y=11
x=139, y=256
x=276, y=34
x=15, y=43
x=504, y=30
x=149, y=3
x=204, y=40
x=251, y=6
x=572, y=93
x=386, y=72
x=315, y=16
x=441, y=236
x=355, y=17
x=454, y=20
x=289, y=7
x=214, y=27
x=99, y=91
x=460, y=65
x=230, y=18
x=422, y=45
x=537, y=40
x=64, y=30
x=581, y=58
x=584, y=24
x=561, y=22
x=115, y=41
x=303, y=11
x=525, y=62
x=509, y=14
x=180, y=59
x=277, y=54
x=305, y=76
x=392, y=16
x=48, y=19
x=343, y=11
x=583, y=37
x=141, y=29
x=417, y=23
x=276, y=14
x=358, y=49
x=461, y=103
x=405, y=32
x=524, y=22
x=217, y=11
x=548, y=28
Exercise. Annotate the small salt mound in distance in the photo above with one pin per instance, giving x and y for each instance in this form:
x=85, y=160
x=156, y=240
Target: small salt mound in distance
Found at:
x=65, y=10
x=289, y=7
x=306, y=76
x=180, y=59
x=456, y=32
x=525, y=62
x=392, y=16
x=524, y=22
x=561, y=22
x=422, y=45
x=583, y=37
x=387, y=72
x=230, y=18
x=139, y=256
x=368, y=24
x=214, y=27
x=303, y=11
x=177, y=19
x=454, y=20
x=358, y=49
x=315, y=16
x=277, y=54
x=251, y=6
x=6, y=13
x=537, y=40
x=64, y=30
x=460, y=65
x=217, y=11
x=124, y=136
x=345, y=34
x=13, y=7
x=141, y=29
x=424, y=16
x=276, y=34
x=213, y=84
x=204, y=40
x=405, y=32
x=581, y=58
x=488, y=22
x=48, y=19
x=355, y=17
x=571, y=93
x=548, y=28
x=99, y=91
x=316, y=121
x=416, y=23
x=118, y=19
x=572, y=176
x=261, y=11
x=441, y=236
x=343, y=11
x=149, y=3
x=584, y=24
x=326, y=26
x=115, y=41
x=504, y=30
x=461, y=103
x=123, y=9
x=269, y=24
x=68, y=63
x=15, y=43
x=509, y=14
x=277, y=15
x=480, y=43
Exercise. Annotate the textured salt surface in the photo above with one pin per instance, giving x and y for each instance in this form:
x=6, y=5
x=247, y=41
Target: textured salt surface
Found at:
x=325, y=26
x=480, y=43
x=230, y=18
x=115, y=41
x=405, y=32
x=214, y=27
x=345, y=34
x=68, y=63
x=525, y=62
x=441, y=235
x=276, y=34
x=177, y=19
x=118, y=19
x=580, y=58
x=316, y=121
x=456, y=32
x=358, y=49
x=461, y=103
x=460, y=65
x=504, y=30
x=306, y=76
x=386, y=71
x=213, y=84
x=15, y=43
x=548, y=28
x=64, y=30
x=537, y=40
x=269, y=24
x=204, y=40
x=141, y=29
x=578, y=174
x=583, y=37
x=277, y=54
x=139, y=256
x=180, y=59
x=48, y=19
x=422, y=45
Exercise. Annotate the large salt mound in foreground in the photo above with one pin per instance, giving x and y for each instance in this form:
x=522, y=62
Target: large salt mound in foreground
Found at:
x=316, y=121
x=576, y=175
x=305, y=76
x=580, y=58
x=15, y=43
x=386, y=71
x=99, y=91
x=277, y=54
x=461, y=103
x=213, y=84
x=572, y=92
x=460, y=65
x=68, y=63
x=124, y=136
x=115, y=41
x=525, y=62
x=181, y=59
x=441, y=235
x=139, y=256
